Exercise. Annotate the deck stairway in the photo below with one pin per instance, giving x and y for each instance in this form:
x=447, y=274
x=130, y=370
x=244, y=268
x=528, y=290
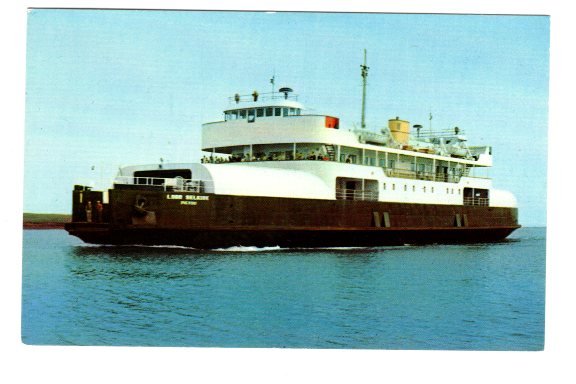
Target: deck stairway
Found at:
x=331, y=152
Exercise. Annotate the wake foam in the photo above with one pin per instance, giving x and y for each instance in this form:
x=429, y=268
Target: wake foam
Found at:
x=248, y=249
x=134, y=246
x=241, y=248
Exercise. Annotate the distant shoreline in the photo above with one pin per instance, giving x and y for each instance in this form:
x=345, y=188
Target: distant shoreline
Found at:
x=43, y=225
x=45, y=220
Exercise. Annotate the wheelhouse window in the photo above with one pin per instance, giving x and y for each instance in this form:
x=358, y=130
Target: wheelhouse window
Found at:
x=291, y=111
x=251, y=115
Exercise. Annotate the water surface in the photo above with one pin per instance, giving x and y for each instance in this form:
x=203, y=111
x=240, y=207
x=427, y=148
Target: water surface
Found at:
x=457, y=297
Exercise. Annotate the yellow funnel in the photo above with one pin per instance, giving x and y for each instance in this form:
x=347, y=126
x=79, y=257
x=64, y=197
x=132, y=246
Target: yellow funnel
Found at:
x=400, y=130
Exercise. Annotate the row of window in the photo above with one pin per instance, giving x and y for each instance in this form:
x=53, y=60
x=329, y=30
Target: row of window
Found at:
x=407, y=163
x=449, y=191
x=252, y=113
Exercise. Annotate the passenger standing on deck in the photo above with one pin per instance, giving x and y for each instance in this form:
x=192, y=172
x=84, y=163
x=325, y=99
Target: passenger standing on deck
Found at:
x=99, y=209
x=89, y=212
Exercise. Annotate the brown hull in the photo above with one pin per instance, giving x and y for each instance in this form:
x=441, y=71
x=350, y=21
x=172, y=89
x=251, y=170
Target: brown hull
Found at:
x=212, y=238
x=221, y=221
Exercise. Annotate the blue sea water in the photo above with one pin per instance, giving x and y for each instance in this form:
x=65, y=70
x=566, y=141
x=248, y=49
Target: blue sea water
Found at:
x=442, y=297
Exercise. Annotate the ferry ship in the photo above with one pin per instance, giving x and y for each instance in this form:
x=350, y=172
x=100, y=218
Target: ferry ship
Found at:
x=274, y=175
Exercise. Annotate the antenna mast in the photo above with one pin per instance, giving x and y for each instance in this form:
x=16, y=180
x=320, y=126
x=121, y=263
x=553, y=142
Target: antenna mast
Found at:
x=364, y=76
x=273, y=80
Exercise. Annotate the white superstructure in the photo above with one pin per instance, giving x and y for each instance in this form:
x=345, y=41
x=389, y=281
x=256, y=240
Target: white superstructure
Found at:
x=268, y=146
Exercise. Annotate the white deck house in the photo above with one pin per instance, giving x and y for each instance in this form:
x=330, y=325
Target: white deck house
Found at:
x=268, y=146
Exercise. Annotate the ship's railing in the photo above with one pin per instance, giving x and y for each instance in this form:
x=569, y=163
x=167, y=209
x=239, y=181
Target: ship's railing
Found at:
x=266, y=96
x=421, y=175
x=483, y=201
x=356, y=194
x=300, y=115
x=176, y=184
x=437, y=133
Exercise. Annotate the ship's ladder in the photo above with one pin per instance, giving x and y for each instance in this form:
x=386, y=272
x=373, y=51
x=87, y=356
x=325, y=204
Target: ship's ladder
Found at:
x=331, y=152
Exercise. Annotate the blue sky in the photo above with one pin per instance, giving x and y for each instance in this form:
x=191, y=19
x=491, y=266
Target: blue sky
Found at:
x=111, y=88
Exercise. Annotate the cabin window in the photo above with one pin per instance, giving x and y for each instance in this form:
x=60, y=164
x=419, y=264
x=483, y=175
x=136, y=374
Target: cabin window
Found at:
x=384, y=186
x=393, y=187
x=285, y=110
x=369, y=157
x=366, y=161
x=243, y=114
x=269, y=111
x=424, y=189
x=405, y=187
x=259, y=112
x=277, y=111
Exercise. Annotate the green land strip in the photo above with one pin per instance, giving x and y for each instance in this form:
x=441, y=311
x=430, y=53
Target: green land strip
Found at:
x=45, y=220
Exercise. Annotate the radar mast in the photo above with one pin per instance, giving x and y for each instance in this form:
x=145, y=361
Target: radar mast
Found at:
x=364, y=76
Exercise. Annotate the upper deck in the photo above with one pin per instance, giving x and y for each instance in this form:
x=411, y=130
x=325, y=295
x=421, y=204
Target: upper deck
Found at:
x=275, y=127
